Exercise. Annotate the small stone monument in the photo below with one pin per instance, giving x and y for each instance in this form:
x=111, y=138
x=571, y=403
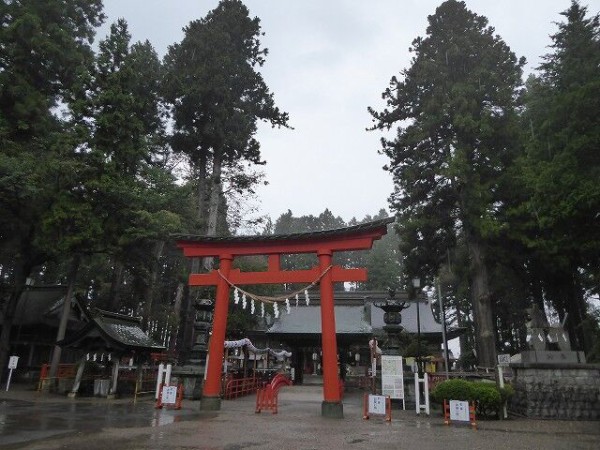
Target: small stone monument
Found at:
x=547, y=343
x=551, y=380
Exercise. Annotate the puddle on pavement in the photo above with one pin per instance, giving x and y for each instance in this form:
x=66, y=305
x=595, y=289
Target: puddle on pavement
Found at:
x=22, y=421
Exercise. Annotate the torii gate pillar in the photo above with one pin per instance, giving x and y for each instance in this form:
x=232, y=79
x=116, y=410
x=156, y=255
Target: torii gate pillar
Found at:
x=332, y=405
x=324, y=244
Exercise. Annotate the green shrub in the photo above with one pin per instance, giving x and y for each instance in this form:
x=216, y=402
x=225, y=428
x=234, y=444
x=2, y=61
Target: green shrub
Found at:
x=455, y=389
x=506, y=392
x=489, y=399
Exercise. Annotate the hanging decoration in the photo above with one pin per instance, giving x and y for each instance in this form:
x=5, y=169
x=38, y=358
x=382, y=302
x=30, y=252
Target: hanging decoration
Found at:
x=280, y=355
x=272, y=300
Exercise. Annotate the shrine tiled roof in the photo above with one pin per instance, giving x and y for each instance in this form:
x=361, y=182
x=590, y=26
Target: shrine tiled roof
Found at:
x=112, y=332
x=37, y=302
x=307, y=320
x=356, y=313
x=126, y=330
x=292, y=236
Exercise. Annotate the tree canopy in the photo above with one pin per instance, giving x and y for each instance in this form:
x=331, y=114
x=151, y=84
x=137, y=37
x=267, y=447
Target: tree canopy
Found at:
x=106, y=151
x=455, y=111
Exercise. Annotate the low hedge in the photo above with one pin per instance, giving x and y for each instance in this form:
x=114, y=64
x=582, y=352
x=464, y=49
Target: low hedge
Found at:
x=487, y=397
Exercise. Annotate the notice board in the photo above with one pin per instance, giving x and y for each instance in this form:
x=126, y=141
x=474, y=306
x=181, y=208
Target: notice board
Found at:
x=392, y=376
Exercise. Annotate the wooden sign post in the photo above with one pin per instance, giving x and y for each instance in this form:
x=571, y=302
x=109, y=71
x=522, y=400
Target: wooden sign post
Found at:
x=12, y=364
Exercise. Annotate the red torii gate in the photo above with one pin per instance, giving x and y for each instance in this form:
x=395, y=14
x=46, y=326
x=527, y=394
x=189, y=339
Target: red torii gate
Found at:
x=324, y=244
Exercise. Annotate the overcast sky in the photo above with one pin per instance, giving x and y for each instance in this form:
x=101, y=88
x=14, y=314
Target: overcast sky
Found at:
x=328, y=61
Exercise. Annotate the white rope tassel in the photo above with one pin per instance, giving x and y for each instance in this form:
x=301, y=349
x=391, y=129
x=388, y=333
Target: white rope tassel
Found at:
x=287, y=305
x=236, y=296
x=306, y=297
x=262, y=309
x=252, y=306
x=296, y=300
x=276, y=310
x=244, y=301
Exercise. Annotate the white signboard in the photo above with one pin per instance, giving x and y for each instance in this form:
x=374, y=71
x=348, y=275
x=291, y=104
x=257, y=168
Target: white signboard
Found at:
x=392, y=376
x=12, y=362
x=376, y=404
x=169, y=395
x=459, y=410
x=504, y=360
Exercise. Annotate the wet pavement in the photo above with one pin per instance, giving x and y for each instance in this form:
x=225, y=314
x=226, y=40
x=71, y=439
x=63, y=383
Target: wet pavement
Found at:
x=34, y=421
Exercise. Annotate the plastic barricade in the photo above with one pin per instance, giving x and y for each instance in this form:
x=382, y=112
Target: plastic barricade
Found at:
x=266, y=398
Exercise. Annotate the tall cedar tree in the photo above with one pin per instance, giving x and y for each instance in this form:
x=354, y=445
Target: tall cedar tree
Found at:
x=45, y=46
x=217, y=97
x=131, y=192
x=561, y=168
x=455, y=113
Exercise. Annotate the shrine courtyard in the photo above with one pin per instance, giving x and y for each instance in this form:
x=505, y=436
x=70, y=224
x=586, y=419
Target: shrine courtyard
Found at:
x=32, y=420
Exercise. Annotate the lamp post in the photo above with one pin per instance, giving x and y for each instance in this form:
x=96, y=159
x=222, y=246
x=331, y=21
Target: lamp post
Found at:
x=416, y=282
x=444, y=338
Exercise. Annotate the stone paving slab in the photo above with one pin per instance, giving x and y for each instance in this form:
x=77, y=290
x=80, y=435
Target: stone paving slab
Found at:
x=118, y=424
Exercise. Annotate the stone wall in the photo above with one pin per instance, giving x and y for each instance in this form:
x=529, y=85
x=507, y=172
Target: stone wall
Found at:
x=555, y=391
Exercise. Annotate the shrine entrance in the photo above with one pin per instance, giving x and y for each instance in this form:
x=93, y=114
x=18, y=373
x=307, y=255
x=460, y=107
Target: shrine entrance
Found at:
x=323, y=244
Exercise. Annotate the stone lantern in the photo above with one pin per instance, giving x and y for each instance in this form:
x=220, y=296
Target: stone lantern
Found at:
x=204, y=312
x=392, y=318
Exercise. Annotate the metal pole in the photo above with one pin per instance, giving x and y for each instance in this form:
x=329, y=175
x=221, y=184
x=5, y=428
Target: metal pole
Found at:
x=443, y=317
x=418, y=338
x=416, y=284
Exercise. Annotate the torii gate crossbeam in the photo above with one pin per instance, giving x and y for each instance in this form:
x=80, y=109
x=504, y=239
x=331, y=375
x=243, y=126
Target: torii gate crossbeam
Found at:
x=323, y=244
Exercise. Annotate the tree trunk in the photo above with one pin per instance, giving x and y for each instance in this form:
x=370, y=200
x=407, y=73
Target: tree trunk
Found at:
x=21, y=271
x=213, y=206
x=177, y=314
x=114, y=296
x=482, y=304
x=203, y=194
x=64, y=319
x=151, y=282
x=565, y=293
x=576, y=309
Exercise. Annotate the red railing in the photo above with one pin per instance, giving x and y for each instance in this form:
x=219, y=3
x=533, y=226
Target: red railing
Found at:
x=63, y=371
x=238, y=387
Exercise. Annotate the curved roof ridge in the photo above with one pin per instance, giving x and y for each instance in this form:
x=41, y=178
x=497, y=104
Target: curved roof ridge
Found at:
x=306, y=235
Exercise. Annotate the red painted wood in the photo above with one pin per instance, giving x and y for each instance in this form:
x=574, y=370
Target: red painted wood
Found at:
x=212, y=387
x=331, y=386
x=338, y=274
x=322, y=244
x=274, y=263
